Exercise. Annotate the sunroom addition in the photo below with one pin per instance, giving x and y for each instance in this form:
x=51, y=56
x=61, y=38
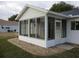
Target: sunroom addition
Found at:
x=43, y=30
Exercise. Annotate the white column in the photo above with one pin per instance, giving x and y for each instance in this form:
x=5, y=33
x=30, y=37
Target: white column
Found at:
x=19, y=28
x=46, y=30
x=28, y=27
x=36, y=28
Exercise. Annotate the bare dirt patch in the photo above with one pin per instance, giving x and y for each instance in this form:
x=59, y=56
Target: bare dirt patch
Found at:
x=8, y=34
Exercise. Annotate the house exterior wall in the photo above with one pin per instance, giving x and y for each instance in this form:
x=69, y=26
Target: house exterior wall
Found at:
x=11, y=27
x=55, y=42
x=36, y=41
x=72, y=35
x=32, y=13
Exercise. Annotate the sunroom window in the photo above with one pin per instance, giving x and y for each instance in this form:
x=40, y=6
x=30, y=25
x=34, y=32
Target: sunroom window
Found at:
x=77, y=25
x=24, y=28
x=51, y=27
x=41, y=27
x=32, y=27
x=74, y=25
x=37, y=28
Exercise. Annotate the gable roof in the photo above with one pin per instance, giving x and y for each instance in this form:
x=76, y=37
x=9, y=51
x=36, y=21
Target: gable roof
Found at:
x=37, y=8
x=4, y=22
x=74, y=12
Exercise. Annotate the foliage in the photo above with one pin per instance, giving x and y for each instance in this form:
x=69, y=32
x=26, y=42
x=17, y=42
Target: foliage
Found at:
x=60, y=7
x=12, y=18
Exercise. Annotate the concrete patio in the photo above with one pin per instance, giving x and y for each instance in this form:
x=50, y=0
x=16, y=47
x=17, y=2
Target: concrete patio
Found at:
x=36, y=50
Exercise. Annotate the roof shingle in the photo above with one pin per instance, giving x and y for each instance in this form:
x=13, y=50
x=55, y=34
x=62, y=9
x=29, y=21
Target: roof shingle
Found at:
x=4, y=22
x=73, y=12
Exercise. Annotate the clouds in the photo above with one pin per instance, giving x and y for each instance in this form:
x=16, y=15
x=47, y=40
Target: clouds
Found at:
x=42, y=4
x=8, y=8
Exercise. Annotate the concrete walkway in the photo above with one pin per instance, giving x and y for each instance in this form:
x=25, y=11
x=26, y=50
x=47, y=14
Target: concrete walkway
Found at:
x=36, y=50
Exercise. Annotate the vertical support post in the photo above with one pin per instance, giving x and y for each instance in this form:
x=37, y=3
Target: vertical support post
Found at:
x=46, y=30
x=36, y=28
x=19, y=28
x=28, y=27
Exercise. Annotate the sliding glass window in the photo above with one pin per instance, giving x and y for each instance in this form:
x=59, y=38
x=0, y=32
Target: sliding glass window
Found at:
x=37, y=28
x=41, y=27
x=51, y=27
x=32, y=27
x=24, y=28
x=21, y=27
x=64, y=23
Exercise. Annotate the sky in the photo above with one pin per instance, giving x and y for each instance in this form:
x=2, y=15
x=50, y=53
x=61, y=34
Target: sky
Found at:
x=9, y=8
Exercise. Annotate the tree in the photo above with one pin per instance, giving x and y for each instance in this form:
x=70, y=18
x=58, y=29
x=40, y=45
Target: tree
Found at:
x=62, y=6
x=12, y=18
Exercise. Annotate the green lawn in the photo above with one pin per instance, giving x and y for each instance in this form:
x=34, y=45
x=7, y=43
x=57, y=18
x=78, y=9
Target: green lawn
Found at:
x=73, y=53
x=8, y=50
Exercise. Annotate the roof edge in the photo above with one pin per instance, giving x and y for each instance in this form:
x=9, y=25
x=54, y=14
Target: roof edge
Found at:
x=38, y=8
x=29, y=6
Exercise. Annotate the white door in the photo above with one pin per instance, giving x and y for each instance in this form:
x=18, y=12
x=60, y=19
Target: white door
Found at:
x=58, y=29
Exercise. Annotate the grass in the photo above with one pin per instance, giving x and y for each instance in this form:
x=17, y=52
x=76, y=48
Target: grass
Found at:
x=8, y=50
x=73, y=53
